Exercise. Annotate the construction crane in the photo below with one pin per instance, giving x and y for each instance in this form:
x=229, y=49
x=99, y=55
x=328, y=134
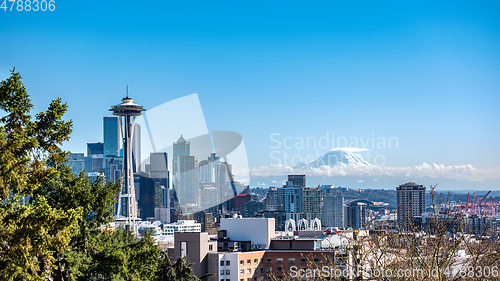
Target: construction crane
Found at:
x=489, y=208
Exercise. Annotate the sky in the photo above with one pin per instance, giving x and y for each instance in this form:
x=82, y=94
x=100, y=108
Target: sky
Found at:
x=424, y=73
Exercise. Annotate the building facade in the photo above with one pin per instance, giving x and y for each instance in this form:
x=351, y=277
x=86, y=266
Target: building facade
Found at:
x=410, y=204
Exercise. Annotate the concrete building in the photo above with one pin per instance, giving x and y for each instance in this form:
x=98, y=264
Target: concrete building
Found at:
x=333, y=210
x=411, y=205
x=244, y=229
x=181, y=226
x=184, y=173
x=196, y=246
x=312, y=203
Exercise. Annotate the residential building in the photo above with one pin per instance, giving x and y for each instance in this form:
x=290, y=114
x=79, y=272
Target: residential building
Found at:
x=356, y=214
x=410, y=204
x=333, y=210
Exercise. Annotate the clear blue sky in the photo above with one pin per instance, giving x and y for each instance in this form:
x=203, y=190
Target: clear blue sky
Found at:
x=427, y=73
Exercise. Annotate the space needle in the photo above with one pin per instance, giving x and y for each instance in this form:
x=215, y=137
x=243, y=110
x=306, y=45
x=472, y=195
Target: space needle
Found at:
x=127, y=111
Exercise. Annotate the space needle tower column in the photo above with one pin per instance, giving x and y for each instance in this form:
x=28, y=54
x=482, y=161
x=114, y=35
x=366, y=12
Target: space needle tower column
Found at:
x=127, y=111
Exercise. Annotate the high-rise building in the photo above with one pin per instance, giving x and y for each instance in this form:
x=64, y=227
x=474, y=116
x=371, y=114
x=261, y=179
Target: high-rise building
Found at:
x=290, y=198
x=149, y=197
x=94, y=161
x=76, y=162
x=209, y=197
x=355, y=214
x=136, y=149
x=158, y=168
x=113, y=166
x=184, y=173
x=272, y=199
x=312, y=203
x=296, y=180
x=111, y=136
x=333, y=210
x=95, y=148
x=411, y=205
x=181, y=148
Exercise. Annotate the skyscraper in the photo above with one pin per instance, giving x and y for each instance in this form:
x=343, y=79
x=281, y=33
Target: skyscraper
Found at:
x=297, y=180
x=136, y=149
x=272, y=199
x=184, y=173
x=158, y=167
x=111, y=136
x=94, y=161
x=355, y=214
x=333, y=210
x=312, y=203
x=411, y=205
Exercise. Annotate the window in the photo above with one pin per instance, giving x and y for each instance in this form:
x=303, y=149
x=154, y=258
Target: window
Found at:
x=316, y=260
x=249, y=270
x=242, y=279
x=228, y=271
x=269, y=260
x=222, y=272
x=255, y=261
x=241, y=272
x=279, y=260
x=261, y=269
x=279, y=269
x=228, y=262
x=210, y=247
x=269, y=269
x=291, y=260
x=249, y=261
x=221, y=263
x=303, y=260
x=242, y=262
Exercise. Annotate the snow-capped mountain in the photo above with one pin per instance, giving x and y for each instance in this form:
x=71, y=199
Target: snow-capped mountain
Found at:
x=336, y=157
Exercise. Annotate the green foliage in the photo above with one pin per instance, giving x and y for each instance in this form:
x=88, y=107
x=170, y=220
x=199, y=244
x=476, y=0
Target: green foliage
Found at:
x=180, y=271
x=31, y=234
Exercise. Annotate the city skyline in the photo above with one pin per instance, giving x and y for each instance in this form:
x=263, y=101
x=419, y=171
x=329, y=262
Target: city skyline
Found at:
x=425, y=74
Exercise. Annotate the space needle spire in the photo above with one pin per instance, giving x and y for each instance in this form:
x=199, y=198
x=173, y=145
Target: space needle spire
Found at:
x=127, y=111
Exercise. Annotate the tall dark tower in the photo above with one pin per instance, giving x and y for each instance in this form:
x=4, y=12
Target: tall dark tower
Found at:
x=127, y=111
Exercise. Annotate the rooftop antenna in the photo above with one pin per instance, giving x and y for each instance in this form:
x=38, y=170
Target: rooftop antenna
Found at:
x=127, y=91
